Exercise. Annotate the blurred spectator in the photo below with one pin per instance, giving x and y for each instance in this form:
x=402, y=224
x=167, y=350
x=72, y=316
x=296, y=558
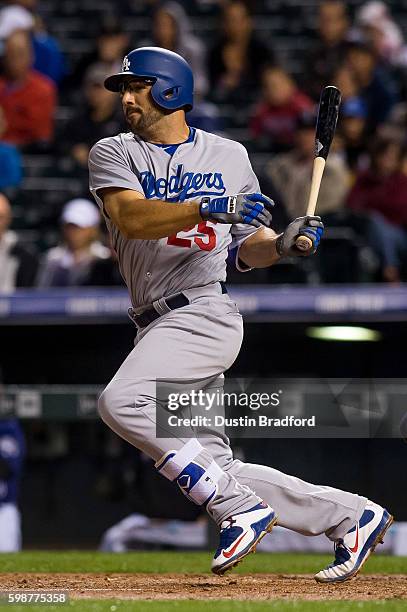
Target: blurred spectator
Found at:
x=172, y=30
x=275, y=117
x=236, y=61
x=105, y=272
x=13, y=18
x=329, y=50
x=397, y=122
x=345, y=79
x=280, y=216
x=97, y=118
x=48, y=57
x=381, y=192
x=379, y=30
x=291, y=173
x=403, y=164
x=10, y=160
x=20, y=15
x=354, y=133
x=28, y=98
x=71, y=263
x=18, y=265
x=353, y=117
x=375, y=84
x=112, y=44
x=12, y=450
x=206, y=116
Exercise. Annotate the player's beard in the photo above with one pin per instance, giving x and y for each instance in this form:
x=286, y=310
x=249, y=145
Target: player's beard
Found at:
x=142, y=124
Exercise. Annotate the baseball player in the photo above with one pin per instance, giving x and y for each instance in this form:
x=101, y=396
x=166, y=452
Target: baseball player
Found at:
x=175, y=199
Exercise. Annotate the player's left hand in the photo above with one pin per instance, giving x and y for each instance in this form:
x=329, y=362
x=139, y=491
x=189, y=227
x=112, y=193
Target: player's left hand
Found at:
x=249, y=208
x=312, y=227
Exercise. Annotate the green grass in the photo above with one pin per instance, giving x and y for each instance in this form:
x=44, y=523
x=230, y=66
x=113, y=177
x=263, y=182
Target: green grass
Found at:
x=180, y=562
x=210, y=606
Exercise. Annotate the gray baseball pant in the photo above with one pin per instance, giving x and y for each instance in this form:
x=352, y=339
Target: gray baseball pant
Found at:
x=196, y=344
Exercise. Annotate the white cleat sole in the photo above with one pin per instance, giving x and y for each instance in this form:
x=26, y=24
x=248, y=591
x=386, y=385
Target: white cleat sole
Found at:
x=353, y=574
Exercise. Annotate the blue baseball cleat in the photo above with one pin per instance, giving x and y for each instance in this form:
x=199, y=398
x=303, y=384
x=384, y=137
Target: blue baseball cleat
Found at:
x=354, y=549
x=240, y=534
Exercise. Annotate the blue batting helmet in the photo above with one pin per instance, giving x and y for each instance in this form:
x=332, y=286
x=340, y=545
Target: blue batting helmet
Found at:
x=173, y=81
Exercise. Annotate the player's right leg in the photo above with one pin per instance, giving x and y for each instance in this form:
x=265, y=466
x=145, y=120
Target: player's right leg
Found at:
x=240, y=529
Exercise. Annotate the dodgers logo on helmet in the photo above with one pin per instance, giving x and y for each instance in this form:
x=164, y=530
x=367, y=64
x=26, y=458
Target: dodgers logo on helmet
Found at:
x=126, y=64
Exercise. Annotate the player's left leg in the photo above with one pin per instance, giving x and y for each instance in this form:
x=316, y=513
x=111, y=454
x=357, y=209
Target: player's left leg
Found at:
x=354, y=548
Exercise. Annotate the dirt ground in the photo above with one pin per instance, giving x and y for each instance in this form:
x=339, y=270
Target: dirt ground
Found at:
x=189, y=586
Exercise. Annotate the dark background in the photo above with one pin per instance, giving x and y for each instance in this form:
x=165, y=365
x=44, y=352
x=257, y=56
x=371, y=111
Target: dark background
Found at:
x=71, y=494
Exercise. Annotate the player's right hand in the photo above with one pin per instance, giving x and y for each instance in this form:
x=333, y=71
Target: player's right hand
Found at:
x=249, y=208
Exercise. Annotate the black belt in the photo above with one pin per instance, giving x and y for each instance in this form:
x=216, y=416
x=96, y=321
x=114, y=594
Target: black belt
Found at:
x=150, y=315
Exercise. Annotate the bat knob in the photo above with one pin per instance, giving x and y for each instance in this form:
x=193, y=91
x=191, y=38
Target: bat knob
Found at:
x=303, y=243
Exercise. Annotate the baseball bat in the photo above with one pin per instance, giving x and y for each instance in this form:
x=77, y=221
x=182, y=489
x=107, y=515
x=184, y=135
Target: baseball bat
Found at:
x=326, y=123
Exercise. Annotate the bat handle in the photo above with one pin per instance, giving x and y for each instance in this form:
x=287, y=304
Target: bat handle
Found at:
x=303, y=243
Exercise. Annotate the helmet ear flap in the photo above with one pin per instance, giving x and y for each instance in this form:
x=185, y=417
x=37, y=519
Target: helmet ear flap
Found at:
x=166, y=95
x=171, y=93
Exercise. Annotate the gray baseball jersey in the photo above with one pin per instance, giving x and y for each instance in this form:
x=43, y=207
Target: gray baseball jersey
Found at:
x=205, y=164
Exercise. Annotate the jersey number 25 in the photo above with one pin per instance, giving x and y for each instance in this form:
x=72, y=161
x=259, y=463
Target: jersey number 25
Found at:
x=205, y=244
